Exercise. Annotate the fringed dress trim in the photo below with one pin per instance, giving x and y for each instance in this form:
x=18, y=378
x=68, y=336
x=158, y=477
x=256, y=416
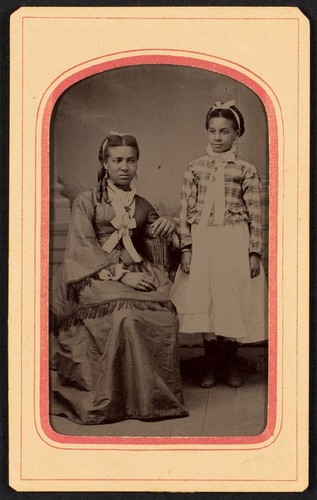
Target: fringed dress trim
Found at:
x=73, y=288
x=93, y=311
x=156, y=251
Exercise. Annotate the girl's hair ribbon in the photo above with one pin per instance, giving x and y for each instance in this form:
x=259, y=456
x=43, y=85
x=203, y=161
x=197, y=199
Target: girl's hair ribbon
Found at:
x=227, y=105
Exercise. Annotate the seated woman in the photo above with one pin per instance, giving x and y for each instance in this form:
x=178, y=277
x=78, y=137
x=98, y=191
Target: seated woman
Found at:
x=116, y=352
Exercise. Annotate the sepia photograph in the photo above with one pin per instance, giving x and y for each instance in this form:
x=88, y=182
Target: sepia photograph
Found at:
x=159, y=255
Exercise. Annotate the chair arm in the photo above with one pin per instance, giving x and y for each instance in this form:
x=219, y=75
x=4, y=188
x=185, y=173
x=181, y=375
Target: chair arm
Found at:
x=163, y=253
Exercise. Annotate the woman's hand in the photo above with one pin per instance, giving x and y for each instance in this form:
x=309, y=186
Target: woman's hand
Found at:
x=185, y=261
x=139, y=281
x=163, y=226
x=254, y=260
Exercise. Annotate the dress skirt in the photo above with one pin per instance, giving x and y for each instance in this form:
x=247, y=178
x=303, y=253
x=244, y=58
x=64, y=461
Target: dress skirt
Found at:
x=122, y=365
x=219, y=296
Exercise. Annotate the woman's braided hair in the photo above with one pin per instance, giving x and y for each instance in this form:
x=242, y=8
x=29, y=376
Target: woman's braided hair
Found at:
x=111, y=141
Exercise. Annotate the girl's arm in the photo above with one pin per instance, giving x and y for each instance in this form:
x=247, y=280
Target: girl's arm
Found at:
x=251, y=189
x=254, y=261
x=186, y=259
x=186, y=193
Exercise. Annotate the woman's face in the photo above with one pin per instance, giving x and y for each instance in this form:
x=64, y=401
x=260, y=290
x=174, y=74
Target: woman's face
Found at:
x=221, y=134
x=122, y=164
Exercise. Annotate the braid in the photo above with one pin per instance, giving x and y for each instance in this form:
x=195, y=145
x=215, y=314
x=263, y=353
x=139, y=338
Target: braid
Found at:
x=100, y=187
x=101, y=152
x=102, y=174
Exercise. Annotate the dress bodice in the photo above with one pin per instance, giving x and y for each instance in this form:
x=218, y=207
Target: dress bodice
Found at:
x=104, y=213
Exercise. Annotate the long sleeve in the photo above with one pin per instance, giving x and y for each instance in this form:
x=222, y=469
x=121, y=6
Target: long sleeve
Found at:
x=145, y=215
x=251, y=188
x=83, y=250
x=188, y=193
x=84, y=257
x=152, y=214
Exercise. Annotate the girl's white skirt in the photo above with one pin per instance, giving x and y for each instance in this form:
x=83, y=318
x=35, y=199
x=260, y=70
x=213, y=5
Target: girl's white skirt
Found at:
x=219, y=296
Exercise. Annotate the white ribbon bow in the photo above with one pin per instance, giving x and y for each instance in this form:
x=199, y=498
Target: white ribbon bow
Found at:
x=123, y=222
x=120, y=134
x=227, y=105
x=123, y=226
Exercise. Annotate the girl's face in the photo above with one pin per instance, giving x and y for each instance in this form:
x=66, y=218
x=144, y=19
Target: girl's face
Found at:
x=122, y=164
x=221, y=134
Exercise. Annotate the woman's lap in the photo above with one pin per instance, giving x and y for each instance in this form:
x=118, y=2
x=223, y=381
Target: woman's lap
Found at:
x=124, y=365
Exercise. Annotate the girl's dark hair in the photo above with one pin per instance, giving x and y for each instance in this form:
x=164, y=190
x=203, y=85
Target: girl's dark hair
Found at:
x=112, y=141
x=226, y=113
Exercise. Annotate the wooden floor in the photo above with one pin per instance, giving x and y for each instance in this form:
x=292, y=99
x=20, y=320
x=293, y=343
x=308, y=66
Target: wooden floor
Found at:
x=218, y=411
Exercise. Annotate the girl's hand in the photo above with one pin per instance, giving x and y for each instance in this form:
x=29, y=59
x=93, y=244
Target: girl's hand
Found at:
x=139, y=281
x=254, y=260
x=185, y=261
x=163, y=226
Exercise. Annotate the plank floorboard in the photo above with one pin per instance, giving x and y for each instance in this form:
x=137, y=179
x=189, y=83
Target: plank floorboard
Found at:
x=196, y=403
x=251, y=407
x=218, y=411
x=220, y=417
x=64, y=426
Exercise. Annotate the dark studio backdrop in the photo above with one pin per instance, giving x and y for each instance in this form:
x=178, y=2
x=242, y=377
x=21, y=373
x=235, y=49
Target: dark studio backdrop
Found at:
x=165, y=107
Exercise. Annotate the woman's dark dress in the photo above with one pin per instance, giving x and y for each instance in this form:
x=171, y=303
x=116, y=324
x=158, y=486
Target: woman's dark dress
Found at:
x=115, y=354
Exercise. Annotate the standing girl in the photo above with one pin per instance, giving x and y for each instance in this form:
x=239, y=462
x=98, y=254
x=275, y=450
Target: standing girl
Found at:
x=220, y=288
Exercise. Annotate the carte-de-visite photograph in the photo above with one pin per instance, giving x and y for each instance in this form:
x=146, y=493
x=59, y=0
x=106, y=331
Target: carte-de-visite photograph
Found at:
x=158, y=260
x=159, y=249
